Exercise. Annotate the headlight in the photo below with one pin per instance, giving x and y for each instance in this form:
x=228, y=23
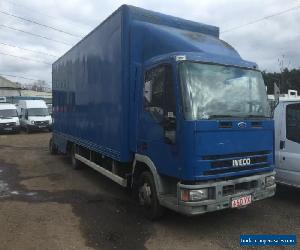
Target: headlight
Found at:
x=270, y=181
x=194, y=195
x=200, y=194
x=32, y=122
x=18, y=123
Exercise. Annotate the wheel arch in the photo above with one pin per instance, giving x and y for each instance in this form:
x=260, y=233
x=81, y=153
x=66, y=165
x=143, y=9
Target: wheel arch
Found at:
x=142, y=163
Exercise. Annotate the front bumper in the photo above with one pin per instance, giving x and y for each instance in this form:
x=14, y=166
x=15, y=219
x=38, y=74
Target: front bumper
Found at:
x=39, y=127
x=10, y=129
x=220, y=200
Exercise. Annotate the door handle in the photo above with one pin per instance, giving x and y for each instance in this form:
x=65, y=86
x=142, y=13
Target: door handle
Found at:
x=282, y=145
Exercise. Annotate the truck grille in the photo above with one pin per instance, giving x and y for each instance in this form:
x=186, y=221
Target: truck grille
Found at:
x=216, y=157
x=7, y=124
x=239, y=188
x=221, y=164
x=41, y=123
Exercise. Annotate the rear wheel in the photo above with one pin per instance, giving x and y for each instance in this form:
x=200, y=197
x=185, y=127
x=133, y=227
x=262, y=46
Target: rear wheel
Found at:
x=147, y=196
x=52, y=147
x=76, y=164
x=28, y=130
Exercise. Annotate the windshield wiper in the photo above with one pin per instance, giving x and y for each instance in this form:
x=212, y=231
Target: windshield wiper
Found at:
x=221, y=116
x=257, y=116
x=237, y=116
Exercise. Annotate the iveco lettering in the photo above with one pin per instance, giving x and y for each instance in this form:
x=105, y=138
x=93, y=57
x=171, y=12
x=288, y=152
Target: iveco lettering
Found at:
x=241, y=162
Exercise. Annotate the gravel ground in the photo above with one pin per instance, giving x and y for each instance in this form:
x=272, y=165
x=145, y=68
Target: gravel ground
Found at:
x=44, y=204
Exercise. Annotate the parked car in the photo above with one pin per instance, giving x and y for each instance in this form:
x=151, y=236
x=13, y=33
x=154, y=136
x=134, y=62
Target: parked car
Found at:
x=9, y=120
x=287, y=139
x=34, y=115
x=2, y=99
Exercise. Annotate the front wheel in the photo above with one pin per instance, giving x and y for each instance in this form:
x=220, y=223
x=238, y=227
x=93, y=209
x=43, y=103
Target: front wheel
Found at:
x=147, y=196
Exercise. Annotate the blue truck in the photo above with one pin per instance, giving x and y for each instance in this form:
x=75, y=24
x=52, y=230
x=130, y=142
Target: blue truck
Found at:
x=161, y=105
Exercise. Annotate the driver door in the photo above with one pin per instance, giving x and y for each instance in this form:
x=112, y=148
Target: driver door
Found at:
x=157, y=123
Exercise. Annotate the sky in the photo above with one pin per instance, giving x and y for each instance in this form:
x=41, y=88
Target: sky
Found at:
x=265, y=42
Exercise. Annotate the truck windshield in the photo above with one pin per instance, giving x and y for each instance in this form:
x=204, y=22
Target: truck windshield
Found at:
x=38, y=112
x=211, y=91
x=8, y=113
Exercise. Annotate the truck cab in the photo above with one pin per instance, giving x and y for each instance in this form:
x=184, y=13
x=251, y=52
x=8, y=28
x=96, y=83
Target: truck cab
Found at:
x=287, y=139
x=9, y=120
x=208, y=124
x=34, y=115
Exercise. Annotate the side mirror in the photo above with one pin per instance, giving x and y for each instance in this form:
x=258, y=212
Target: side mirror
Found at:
x=276, y=99
x=170, y=130
x=276, y=94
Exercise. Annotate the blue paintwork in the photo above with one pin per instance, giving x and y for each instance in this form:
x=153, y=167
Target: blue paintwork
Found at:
x=98, y=88
x=90, y=105
x=210, y=140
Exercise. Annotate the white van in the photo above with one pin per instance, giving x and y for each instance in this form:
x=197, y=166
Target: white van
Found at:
x=9, y=120
x=287, y=139
x=34, y=115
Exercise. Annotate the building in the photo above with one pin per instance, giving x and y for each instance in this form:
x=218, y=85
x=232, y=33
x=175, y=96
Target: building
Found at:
x=12, y=92
x=9, y=88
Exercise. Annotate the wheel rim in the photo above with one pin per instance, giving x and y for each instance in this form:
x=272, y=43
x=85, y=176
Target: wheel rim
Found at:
x=145, y=195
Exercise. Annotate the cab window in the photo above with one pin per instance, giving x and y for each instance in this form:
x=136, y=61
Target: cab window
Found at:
x=159, y=98
x=293, y=122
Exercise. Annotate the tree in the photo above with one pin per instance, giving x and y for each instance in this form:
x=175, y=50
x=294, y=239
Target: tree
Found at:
x=286, y=79
x=39, y=85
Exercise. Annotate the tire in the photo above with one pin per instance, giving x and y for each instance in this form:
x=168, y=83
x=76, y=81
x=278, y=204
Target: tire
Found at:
x=52, y=147
x=147, y=196
x=28, y=131
x=76, y=164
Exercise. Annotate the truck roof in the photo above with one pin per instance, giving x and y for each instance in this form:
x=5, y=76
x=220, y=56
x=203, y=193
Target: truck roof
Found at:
x=291, y=96
x=33, y=103
x=185, y=36
x=289, y=99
